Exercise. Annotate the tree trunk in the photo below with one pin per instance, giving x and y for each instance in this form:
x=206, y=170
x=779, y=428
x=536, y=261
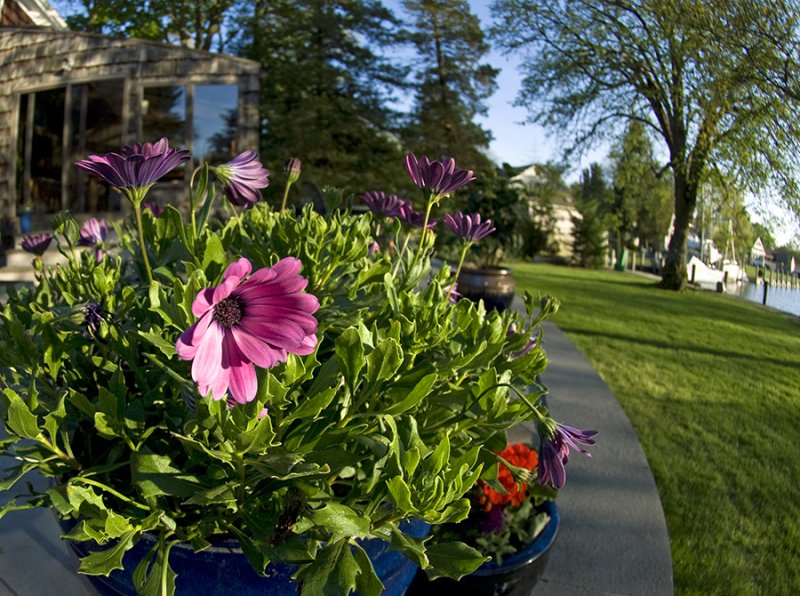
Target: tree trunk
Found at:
x=674, y=274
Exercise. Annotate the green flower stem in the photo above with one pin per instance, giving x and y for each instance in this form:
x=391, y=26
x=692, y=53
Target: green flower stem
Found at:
x=285, y=194
x=55, y=450
x=467, y=246
x=192, y=203
x=431, y=201
x=109, y=490
x=137, y=211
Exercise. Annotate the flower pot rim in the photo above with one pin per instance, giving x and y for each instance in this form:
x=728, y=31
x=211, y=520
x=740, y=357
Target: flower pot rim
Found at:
x=487, y=269
x=533, y=551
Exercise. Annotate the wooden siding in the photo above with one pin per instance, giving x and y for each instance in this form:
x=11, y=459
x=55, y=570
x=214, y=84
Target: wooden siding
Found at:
x=12, y=15
x=38, y=59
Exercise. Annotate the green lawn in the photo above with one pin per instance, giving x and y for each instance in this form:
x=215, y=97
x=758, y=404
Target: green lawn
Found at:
x=712, y=385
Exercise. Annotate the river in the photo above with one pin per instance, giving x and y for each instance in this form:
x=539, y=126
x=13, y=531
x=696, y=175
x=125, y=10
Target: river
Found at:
x=785, y=299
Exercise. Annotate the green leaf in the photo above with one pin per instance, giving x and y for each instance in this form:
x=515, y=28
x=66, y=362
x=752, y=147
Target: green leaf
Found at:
x=214, y=252
x=350, y=351
x=157, y=339
x=223, y=494
x=21, y=420
x=401, y=494
x=453, y=559
x=117, y=525
x=439, y=457
x=18, y=473
x=105, y=561
x=383, y=361
x=411, y=461
x=420, y=391
x=333, y=573
x=161, y=579
x=410, y=546
x=367, y=582
x=342, y=521
x=309, y=408
x=53, y=420
x=154, y=475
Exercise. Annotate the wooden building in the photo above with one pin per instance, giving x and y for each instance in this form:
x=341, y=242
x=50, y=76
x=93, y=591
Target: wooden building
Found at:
x=65, y=95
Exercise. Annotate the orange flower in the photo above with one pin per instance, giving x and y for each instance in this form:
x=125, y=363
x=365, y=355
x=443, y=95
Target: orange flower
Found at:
x=518, y=455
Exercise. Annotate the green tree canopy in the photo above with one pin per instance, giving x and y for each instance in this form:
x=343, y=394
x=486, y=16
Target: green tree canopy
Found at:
x=717, y=83
x=641, y=198
x=192, y=23
x=326, y=88
x=452, y=82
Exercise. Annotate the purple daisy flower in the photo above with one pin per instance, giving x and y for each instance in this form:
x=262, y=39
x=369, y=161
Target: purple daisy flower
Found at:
x=137, y=167
x=555, y=441
x=94, y=316
x=247, y=322
x=469, y=227
x=414, y=218
x=153, y=207
x=382, y=204
x=242, y=177
x=438, y=177
x=37, y=243
x=93, y=232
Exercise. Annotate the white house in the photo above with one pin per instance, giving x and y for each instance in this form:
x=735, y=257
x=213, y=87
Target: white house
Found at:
x=758, y=253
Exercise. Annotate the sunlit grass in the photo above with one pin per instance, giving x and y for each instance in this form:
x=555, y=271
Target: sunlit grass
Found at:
x=712, y=385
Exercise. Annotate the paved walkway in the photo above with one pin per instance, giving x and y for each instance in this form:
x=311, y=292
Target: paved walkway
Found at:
x=613, y=536
x=612, y=540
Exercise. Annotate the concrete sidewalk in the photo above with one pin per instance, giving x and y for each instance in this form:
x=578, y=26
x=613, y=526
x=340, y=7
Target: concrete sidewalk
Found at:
x=613, y=536
x=612, y=540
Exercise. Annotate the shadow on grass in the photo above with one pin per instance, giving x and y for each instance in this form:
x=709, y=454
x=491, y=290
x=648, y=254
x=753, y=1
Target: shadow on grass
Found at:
x=748, y=357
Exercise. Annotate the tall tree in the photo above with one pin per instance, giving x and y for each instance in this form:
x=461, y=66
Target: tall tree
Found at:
x=326, y=89
x=452, y=82
x=641, y=199
x=717, y=83
x=590, y=225
x=192, y=23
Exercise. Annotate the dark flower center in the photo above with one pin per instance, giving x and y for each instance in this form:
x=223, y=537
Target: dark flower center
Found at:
x=228, y=312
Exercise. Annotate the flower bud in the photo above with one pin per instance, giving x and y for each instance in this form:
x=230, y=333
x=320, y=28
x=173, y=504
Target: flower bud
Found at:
x=292, y=169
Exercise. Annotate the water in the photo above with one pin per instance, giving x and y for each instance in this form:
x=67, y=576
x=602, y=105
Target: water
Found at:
x=785, y=299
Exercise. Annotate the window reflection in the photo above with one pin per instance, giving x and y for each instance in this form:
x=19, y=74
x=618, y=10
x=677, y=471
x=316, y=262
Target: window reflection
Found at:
x=214, y=122
x=164, y=114
x=96, y=129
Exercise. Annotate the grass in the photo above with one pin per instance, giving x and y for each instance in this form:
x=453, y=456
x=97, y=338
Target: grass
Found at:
x=711, y=384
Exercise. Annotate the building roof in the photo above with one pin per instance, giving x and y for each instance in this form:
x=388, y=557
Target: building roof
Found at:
x=39, y=12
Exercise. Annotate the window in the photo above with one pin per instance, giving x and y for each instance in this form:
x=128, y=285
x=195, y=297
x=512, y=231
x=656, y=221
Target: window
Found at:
x=164, y=115
x=39, y=150
x=96, y=129
x=214, y=122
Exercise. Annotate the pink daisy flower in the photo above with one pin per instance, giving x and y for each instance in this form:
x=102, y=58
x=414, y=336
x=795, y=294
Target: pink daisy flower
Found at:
x=246, y=322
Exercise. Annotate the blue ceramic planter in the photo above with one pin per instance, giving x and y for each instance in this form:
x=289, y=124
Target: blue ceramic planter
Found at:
x=515, y=577
x=25, y=222
x=224, y=571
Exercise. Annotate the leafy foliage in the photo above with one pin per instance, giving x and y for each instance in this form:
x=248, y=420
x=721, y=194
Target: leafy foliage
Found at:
x=394, y=416
x=716, y=84
x=327, y=96
x=452, y=82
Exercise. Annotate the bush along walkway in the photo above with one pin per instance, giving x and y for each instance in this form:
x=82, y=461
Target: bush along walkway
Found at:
x=613, y=535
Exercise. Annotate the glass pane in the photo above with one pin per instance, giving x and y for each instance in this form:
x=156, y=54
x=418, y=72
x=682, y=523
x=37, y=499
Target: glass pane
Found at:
x=215, y=122
x=164, y=115
x=96, y=129
x=46, y=153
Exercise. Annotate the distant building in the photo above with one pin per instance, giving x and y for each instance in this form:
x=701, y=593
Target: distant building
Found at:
x=65, y=95
x=758, y=253
x=563, y=212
